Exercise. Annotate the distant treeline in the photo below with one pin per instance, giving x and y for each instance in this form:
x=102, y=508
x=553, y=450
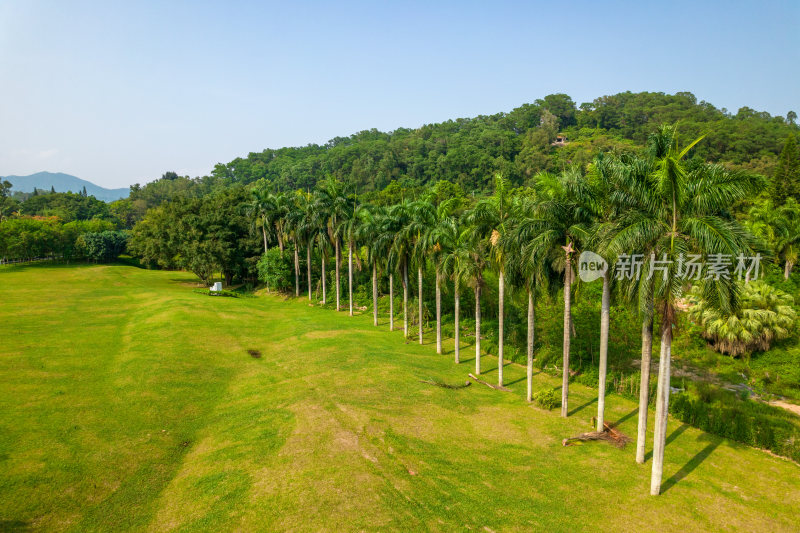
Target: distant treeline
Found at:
x=519, y=144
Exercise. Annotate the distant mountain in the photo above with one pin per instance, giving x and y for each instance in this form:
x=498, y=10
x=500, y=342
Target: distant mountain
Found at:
x=64, y=183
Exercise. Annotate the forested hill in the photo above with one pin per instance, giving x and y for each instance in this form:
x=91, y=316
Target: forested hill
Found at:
x=519, y=143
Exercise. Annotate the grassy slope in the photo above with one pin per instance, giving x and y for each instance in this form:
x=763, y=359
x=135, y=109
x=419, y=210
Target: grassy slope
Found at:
x=129, y=402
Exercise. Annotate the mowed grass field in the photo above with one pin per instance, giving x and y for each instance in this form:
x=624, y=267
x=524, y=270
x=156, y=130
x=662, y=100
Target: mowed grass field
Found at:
x=128, y=402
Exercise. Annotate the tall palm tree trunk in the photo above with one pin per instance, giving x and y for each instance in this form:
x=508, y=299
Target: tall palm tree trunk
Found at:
x=662, y=402
x=296, y=272
x=374, y=294
x=419, y=301
x=350, y=274
x=531, y=323
x=787, y=269
x=405, y=298
x=338, y=260
x=501, y=299
x=478, y=330
x=458, y=313
x=391, y=301
x=438, y=314
x=567, y=337
x=308, y=268
x=644, y=385
x=264, y=232
x=324, y=282
x=605, y=311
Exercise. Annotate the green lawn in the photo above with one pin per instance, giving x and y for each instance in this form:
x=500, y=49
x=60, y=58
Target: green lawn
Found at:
x=128, y=402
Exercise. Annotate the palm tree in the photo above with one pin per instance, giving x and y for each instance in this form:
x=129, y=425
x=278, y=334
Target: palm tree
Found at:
x=423, y=218
x=684, y=212
x=780, y=227
x=349, y=231
x=529, y=271
x=594, y=194
x=438, y=242
x=369, y=232
x=260, y=207
x=400, y=217
x=471, y=263
x=334, y=203
x=453, y=252
x=764, y=316
x=558, y=224
x=307, y=228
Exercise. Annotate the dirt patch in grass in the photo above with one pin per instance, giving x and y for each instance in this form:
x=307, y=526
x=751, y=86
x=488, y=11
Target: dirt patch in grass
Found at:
x=255, y=354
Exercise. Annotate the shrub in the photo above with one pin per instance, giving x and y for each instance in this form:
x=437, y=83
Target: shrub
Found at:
x=276, y=270
x=724, y=413
x=547, y=398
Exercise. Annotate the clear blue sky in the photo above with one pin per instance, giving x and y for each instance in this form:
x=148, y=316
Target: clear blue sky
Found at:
x=119, y=92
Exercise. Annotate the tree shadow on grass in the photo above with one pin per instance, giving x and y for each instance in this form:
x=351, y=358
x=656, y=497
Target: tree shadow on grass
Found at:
x=677, y=432
x=14, y=525
x=523, y=378
x=626, y=417
x=693, y=463
x=582, y=407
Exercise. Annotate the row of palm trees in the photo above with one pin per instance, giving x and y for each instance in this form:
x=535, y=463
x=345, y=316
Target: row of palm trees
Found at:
x=658, y=205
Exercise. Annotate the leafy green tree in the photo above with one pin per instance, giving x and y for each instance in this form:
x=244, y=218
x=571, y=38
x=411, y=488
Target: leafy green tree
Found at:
x=786, y=180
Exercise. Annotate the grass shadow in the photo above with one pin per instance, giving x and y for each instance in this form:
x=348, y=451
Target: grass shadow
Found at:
x=693, y=463
x=582, y=407
x=523, y=378
x=677, y=432
x=626, y=417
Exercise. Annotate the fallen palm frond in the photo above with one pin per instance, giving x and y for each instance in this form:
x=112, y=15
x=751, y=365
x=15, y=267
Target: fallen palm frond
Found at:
x=445, y=385
x=495, y=387
x=609, y=434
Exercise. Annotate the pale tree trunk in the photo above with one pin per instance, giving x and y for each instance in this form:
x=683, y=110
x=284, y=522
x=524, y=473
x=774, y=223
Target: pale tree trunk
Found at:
x=458, y=312
x=662, y=404
x=391, y=301
x=438, y=314
x=787, y=269
x=531, y=324
x=296, y=272
x=350, y=275
x=308, y=268
x=419, y=301
x=374, y=294
x=405, y=298
x=567, y=337
x=478, y=330
x=644, y=385
x=264, y=232
x=324, y=281
x=605, y=319
x=338, y=260
x=501, y=298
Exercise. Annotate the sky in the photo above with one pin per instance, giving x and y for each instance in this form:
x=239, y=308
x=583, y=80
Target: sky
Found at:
x=120, y=92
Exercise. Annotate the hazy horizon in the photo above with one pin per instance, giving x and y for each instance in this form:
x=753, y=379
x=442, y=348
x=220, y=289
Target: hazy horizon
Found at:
x=119, y=94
